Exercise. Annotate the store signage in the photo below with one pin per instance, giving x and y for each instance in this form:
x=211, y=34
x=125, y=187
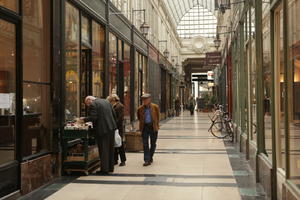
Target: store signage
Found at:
x=213, y=58
x=210, y=75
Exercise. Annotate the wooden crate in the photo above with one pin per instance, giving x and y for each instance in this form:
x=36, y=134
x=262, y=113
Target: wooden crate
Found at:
x=92, y=155
x=133, y=141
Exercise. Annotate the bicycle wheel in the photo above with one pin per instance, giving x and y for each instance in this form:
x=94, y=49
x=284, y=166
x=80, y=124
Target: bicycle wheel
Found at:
x=216, y=130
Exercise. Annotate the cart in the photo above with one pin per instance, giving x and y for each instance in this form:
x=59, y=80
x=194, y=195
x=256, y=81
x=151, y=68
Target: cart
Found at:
x=80, y=154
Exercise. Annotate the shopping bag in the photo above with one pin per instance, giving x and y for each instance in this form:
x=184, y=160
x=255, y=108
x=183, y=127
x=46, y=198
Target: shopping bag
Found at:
x=118, y=139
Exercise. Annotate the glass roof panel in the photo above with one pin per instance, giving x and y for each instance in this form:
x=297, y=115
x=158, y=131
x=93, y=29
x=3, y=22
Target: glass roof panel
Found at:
x=193, y=17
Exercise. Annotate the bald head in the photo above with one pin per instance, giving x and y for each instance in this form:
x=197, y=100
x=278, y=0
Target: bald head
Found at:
x=89, y=99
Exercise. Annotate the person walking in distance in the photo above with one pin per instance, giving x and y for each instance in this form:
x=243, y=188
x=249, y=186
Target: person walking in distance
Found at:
x=148, y=116
x=191, y=105
x=119, y=110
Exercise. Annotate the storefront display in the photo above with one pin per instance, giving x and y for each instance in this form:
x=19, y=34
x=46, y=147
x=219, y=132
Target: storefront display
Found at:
x=294, y=89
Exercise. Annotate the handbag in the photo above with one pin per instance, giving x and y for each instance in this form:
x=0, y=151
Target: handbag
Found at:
x=118, y=139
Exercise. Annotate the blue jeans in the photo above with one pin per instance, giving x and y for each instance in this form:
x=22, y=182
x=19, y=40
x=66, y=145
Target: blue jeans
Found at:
x=149, y=132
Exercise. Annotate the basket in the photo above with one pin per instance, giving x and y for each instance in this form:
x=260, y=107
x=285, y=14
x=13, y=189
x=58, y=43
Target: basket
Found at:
x=134, y=141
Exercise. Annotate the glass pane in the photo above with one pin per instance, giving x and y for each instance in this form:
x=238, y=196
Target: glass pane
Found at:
x=98, y=60
x=72, y=59
x=36, y=41
x=112, y=64
x=279, y=88
x=14, y=5
x=253, y=92
x=267, y=70
x=36, y=119
x=127, y=79
x=294, y=88
x=136, y=82
x=7, y=91
x=85, y=30
x=145, y=74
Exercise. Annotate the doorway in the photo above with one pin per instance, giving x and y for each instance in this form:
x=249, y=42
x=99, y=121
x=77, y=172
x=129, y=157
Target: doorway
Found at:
x=85, y=79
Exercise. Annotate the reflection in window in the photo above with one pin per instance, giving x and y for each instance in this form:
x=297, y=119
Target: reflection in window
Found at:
x=98, y=60
x=138, y=80
x=14, y=5
x=7, y=91
x=85, y=30
x=36, y=41
x=294, y=88
x=267, y=86
x=145, y=74
x=36, y=86
x=253, y=92
x=127, y=81
x=72, y=62
x=36, y=118
x=112, y=64
x=279, y=87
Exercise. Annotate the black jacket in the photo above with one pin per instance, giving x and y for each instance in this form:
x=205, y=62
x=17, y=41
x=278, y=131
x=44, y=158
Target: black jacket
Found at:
x=103, y=117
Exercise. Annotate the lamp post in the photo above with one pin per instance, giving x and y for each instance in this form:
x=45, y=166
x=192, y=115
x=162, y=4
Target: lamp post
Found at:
x=144, y=28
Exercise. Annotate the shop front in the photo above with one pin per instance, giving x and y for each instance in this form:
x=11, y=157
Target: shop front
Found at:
x=25, y=95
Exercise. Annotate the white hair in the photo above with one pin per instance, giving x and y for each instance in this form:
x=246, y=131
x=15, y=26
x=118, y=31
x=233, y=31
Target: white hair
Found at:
x=113, y=97
x=92, y=98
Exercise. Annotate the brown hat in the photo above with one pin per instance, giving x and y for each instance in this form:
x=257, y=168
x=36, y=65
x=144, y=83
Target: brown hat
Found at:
x=145, y=96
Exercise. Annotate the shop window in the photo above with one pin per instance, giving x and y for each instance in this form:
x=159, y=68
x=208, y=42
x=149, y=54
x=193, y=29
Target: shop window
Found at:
x=36, y=77
x=137, y=80
x=7, y=91
x=72, y=63
x=85, y=31
x=112, y=64
x=280, y=93
x=98, y=60
x=36, y=118
x=36, y=41
x=267, y=70
x=14, y=5
x=127, y=100
x=294, y=88
x=145, y=75
x=253, y=92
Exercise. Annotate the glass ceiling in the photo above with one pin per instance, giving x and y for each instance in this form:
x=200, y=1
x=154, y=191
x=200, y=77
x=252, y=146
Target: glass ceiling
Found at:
x=193, y=17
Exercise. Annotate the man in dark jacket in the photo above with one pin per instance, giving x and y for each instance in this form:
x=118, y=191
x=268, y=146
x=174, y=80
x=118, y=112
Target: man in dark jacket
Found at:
x=103, y=117
x=119, y=110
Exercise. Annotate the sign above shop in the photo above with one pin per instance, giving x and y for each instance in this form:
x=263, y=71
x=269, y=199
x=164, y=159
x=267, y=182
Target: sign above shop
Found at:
x=213, y=58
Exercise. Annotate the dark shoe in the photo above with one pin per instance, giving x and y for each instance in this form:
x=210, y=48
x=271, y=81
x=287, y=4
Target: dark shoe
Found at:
x=116, y=163
x=147, y=163
x=122, y=164
x=151, y=161
x=101, y=173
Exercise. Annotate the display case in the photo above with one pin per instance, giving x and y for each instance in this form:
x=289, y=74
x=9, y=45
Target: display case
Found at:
x=80, y=153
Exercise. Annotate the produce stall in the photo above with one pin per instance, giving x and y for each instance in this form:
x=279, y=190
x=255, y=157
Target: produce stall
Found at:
x=80, y=152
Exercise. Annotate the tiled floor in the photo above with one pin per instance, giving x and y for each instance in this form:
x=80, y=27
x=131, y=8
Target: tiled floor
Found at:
x=189, y=164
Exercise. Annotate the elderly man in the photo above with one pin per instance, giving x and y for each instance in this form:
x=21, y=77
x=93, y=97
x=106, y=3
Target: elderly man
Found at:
x=148, y=116
x=103, y=117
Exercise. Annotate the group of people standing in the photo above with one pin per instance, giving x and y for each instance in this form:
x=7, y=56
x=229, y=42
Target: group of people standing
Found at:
x=107, y=116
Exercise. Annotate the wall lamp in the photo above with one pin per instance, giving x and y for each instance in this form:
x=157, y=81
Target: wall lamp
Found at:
x=173, y=60
x=166, y=52
x=144, y=27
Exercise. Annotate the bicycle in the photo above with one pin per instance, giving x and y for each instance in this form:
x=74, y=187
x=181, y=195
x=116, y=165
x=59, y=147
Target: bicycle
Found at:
x=221, y=126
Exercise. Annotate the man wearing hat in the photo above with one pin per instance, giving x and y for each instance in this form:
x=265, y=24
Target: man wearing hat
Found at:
x=148, y=116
